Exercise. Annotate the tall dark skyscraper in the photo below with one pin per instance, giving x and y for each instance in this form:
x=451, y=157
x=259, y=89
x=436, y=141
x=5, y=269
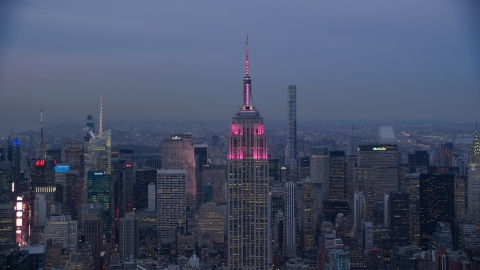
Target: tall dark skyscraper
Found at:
x=399, y=215
x=201, y=159
x=143, y=178
x=338, y=175
x=437, y=194
x=247, y=186
x=42, y=173
x=93, y=235
x=291, y=150
x=14, y=154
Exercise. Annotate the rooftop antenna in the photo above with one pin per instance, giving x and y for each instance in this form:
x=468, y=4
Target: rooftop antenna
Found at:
x=246, y=60
x=42, y=142
x=101, y=112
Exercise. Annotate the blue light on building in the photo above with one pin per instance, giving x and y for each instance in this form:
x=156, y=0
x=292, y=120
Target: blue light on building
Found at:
x=16, y=142
x=61, y=168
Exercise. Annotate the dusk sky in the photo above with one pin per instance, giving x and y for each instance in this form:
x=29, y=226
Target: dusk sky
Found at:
x=177, y=60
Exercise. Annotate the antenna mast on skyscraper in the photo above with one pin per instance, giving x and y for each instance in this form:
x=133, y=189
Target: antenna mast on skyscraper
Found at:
x=42, y=142
x=100, y=128
x=246, y=60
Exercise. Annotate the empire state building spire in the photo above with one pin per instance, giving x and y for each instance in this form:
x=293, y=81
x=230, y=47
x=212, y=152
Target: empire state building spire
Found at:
x=247, y=85
x=248, y=238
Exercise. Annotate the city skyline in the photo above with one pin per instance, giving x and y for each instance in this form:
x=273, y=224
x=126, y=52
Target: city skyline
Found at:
x=253, y=192
x=370, y=61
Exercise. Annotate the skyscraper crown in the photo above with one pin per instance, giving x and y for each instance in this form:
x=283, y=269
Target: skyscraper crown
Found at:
x=475, y=148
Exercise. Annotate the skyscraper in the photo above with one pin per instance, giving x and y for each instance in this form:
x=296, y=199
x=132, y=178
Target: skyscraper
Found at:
x=93, y=235
x=399, y=215
x=98, y=154
x=248, y=185
x=308, y=216
x=171, y=204
x=201, y=159
x=319, y=169
x=289, y=234
x=337, y=175
x=376, y=175
x=129, y=237
x=437, y=194
x=5, y=182
x=7, y=229
x=447, y=154
x=178, y=154
x=14, y=154
x=291, y=150
x=98, y=190
x=143, y=178
x=473, y=175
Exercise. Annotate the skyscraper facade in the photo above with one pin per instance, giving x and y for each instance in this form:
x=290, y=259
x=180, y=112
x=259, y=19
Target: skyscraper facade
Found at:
x=178, y=154
x=337, y=175
x=319, y=169
x=129, y=237
x=291, y=150
x=289, y=234
x=247, y=186
x=143, y=178
x=98, y=154
x=376, y=175
x=98, y=190
x=171, y=203
x=473, y=175
x=447, y=154
x=93, y=235
x=42, y=177
x=5, y=182
x=308, y=216
x=437, y=195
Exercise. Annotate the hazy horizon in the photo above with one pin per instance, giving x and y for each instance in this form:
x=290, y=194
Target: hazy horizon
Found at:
x=359, y=61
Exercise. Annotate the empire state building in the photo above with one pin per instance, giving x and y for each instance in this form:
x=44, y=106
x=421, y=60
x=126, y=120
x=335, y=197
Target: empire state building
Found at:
x=248, y=185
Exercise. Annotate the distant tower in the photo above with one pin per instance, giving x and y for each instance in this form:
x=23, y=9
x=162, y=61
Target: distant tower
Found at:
x=447, y=154
x=247, y=186
x=473, y=175
x=100, y=128
x=91, y=123
x=42, y=141
x=291, y=150
x=355, y=141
